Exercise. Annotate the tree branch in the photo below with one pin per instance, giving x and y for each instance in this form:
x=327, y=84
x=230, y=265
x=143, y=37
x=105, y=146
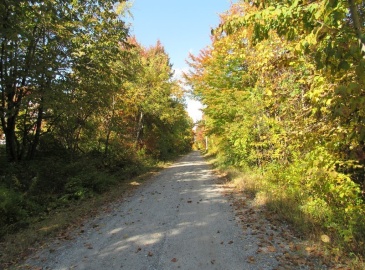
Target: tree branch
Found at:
x=357, y=24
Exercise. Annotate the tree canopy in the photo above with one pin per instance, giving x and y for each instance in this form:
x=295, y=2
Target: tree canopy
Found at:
x=283, y=87
x=82, y=105
x=70, y=72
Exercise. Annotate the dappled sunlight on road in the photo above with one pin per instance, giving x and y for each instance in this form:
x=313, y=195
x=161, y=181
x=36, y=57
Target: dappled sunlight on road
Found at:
x=179, y=220
x=185, y=164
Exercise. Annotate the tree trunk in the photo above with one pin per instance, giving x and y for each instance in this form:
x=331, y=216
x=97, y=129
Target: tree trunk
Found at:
x=139, y=128
x=34, y=145
x=109, y=128
x=25, y=134
x=2, y=78
x=357, y=24
x=13, y=100
x=11, y=140
x=12, y=95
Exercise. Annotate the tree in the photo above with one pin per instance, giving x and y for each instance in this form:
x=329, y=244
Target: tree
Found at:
x=282, y=84
x=43, y=44
x=155, y=105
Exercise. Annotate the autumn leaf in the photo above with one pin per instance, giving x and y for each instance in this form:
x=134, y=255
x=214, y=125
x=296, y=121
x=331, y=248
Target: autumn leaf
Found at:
x=325, y=238
x=251, y=259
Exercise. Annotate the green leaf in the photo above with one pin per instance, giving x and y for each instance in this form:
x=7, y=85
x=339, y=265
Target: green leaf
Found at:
x=344, y=65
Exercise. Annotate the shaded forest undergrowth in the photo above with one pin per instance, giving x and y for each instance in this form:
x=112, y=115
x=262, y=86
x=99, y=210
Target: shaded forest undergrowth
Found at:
x=48, y=196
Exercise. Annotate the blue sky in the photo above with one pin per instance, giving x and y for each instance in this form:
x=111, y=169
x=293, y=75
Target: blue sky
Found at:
x=182, y=26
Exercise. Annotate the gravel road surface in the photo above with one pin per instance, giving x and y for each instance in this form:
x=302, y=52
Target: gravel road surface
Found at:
x=180, y=219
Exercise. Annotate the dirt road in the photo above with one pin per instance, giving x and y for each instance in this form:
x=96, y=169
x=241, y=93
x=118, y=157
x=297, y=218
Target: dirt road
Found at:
x=180, y=219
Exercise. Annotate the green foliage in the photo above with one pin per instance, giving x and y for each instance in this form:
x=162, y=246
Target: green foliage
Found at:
x=326, y=199
x=282, y=85
x=42, y=48
x=30, y=190
x=83, y=106
x=85, y=183
x=12, y=210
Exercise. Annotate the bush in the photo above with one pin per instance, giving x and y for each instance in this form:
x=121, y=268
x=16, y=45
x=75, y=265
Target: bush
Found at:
x=29, y=190
x=12, y=211
x=326, y=199
x=51, y=175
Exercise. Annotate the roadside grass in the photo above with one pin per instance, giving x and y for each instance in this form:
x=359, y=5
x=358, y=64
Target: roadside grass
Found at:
x=284, y=208
x=61, y=221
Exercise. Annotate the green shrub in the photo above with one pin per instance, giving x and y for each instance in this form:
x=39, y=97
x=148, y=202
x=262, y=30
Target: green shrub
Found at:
x=324, y=198
x=12, y=210
x=96, y=181
x=29, y=190
x=74, y=190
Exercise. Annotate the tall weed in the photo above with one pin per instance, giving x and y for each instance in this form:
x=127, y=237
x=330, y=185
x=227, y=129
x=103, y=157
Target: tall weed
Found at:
x=320, y=199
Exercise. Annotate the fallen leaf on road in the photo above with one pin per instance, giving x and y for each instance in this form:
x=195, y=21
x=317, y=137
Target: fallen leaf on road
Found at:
x=309, y=249
x=251, y=259
x=174, y=260
x=325, y=238
x=150, y=254
x=88, y=246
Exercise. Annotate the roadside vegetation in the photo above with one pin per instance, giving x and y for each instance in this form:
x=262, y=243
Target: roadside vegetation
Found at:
x=283, y=87
x=61, y=219
x=84, y=108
